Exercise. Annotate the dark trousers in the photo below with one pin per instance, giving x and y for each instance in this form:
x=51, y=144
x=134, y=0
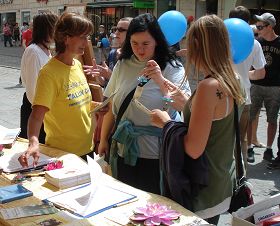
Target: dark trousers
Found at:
x=90, y=154
x=25, y=111
x=144, y=175
x=278, y=143
x=213, y=220
x=7, y=38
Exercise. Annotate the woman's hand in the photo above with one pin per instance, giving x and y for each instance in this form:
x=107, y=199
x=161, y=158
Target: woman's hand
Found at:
x=153, y=71
x=177, y=95
x=159, y=118
x=33, y=150
x=91, y=71
x=104, y=70
x=103, y=147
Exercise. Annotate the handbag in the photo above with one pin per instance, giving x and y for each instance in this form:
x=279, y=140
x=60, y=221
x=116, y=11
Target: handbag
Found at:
x=242, y=195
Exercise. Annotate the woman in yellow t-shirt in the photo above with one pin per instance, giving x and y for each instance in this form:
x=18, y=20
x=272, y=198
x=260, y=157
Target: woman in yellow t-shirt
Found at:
x=62, y=99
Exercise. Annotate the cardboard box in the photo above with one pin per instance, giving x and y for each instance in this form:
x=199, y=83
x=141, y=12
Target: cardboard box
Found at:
x=244, y=216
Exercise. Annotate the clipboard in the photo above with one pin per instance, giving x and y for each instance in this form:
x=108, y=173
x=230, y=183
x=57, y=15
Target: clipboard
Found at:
x=104, y=198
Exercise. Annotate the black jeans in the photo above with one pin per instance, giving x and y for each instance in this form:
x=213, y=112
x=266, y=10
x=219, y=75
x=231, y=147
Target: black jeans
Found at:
x=144, y=175
x=213, y=220
x=25, y=111
x=7, y=38
x=84, y=157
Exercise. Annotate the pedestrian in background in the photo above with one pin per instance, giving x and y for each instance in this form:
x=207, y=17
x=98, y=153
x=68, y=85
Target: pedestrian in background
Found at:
x=7, y=35
x=16, y=34
x=257, y=61
x=209, y=115
x=35, y=56
x=102, y=50
x=266, y=91
x=27, y=35
x=105, y=70
x=23, y=28
x=63, y=98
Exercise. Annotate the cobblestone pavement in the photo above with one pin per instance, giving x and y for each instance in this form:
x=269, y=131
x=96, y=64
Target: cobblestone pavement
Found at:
x=265, y=182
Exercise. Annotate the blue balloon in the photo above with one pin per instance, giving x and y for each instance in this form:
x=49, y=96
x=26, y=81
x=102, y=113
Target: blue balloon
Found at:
x=105, y=42
x=173, y=25
x=241, y=39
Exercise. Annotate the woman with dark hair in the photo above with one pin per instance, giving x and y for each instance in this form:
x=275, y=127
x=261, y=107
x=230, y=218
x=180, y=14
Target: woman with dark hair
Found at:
x=35, y=56
x=144, y=56
x=62, y=98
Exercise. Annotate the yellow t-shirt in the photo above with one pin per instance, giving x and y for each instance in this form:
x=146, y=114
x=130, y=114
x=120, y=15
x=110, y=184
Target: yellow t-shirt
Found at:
x=65, y=92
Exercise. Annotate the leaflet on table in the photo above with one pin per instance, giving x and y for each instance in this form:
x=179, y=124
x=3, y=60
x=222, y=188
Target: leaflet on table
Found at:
x=10, y=164
x=27, y=211
x=8, y=136
x=13, y=192
x=104, y=103
x=59, y=218
x=93, y=198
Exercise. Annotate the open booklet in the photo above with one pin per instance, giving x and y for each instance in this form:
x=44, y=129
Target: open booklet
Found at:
x=91, y=199
x=10, y=164
x=104, y=103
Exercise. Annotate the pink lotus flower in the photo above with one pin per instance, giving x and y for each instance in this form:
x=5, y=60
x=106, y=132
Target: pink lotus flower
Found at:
x=155, y=214
x=56, y=164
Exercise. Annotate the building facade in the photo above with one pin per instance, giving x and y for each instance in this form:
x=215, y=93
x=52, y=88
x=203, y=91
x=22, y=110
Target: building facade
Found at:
x=109, y=12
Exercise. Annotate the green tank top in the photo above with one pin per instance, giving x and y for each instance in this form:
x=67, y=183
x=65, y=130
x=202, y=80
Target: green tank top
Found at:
x=220, y=153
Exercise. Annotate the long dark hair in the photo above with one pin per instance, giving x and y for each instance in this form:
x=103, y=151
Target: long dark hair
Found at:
x=43, y=27
x=147, y=22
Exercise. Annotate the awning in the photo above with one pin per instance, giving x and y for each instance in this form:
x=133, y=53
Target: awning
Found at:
x=109, y=4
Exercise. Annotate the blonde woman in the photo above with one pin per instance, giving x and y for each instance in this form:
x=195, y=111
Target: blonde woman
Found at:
x=209, y=114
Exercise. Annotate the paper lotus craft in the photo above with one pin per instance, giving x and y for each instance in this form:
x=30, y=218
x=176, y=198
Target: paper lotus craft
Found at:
x=56, y=164
x=154, y=214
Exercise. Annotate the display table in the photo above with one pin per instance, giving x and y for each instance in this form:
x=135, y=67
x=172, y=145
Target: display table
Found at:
x=42, y=190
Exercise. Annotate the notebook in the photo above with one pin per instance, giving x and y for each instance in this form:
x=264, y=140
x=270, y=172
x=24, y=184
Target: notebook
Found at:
x=13, y=192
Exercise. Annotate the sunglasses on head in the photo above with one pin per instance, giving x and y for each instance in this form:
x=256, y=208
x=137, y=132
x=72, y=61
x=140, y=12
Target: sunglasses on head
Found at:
x=120, y=29
x=260, y=27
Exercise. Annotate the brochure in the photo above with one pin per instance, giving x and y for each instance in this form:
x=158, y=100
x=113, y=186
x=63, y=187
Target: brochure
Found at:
x=13, y=192
x=104, y=103
x=27, y=211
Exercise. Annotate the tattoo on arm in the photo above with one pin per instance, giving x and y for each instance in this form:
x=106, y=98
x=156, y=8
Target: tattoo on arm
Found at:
x=219, y=94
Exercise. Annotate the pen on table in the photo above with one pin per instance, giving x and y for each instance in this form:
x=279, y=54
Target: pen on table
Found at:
x=37, y=168
x=126, y=202
x=39, y=174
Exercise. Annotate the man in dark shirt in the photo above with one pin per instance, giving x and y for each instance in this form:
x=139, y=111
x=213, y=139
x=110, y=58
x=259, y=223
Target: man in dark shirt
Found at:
x=266, y=91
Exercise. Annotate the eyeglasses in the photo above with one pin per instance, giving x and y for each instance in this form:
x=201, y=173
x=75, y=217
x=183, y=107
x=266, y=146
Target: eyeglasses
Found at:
x=120, y=29
x=260, y=27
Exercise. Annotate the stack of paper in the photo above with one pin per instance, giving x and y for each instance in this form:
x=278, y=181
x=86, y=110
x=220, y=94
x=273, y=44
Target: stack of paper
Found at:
x=8, y=136
x=90, y=199
x=68, y=177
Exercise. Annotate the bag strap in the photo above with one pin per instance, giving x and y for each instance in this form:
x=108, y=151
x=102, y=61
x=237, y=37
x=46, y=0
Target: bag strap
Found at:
x=122, y=110
x=238, y=156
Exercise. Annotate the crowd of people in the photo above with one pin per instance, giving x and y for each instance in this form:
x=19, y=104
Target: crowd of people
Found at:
x=152, y=100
